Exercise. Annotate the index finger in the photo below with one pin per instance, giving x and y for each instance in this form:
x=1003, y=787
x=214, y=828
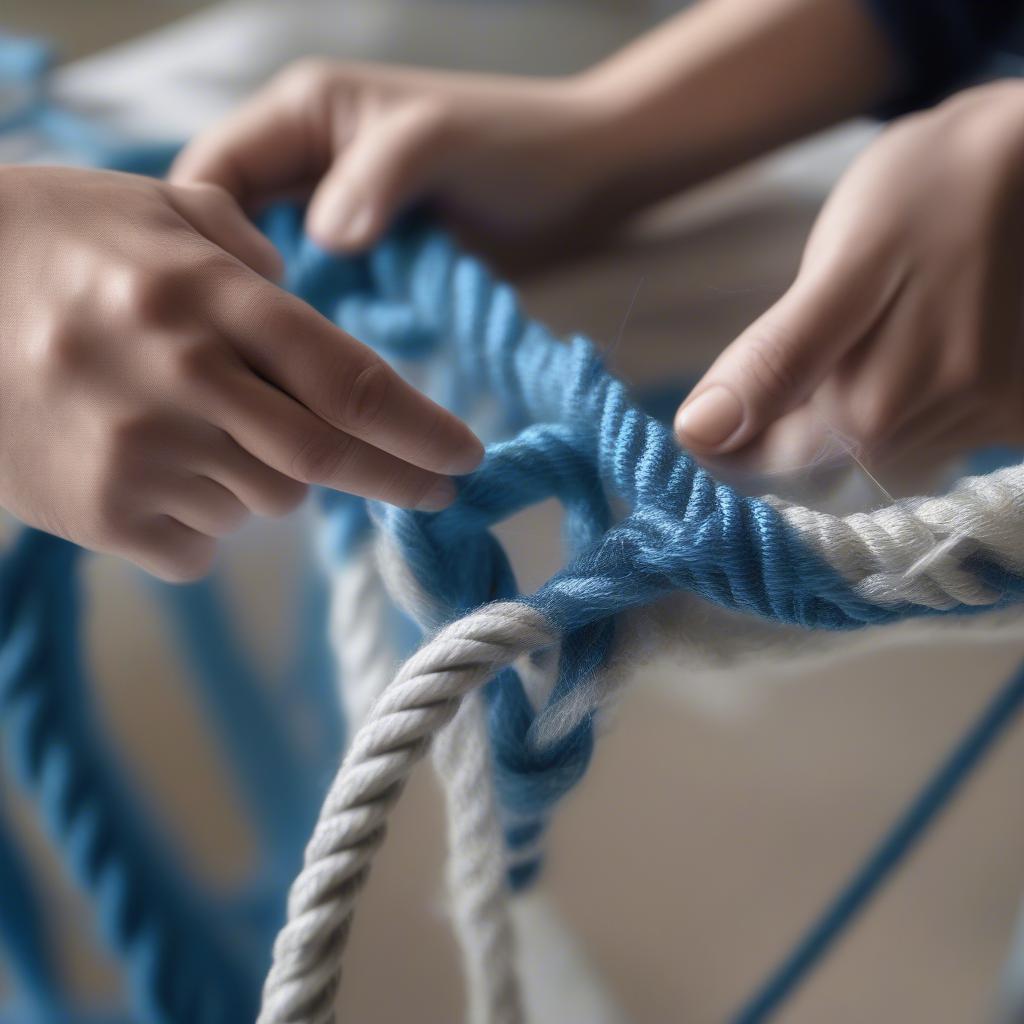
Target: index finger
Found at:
x=339, y=379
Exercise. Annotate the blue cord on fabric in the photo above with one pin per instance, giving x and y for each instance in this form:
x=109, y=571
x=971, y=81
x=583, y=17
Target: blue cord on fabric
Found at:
x=575, y=435
x=893, y=849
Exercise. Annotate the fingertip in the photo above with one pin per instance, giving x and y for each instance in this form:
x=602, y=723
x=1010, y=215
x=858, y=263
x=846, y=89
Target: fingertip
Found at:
x=711, y=419
x=188, y=168
x=341, y=225
x=468, y=457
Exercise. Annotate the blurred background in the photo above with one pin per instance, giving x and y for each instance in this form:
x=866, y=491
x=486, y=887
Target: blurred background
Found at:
x=722, y=809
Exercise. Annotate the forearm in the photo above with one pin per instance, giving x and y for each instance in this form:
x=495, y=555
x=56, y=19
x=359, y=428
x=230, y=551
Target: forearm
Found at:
x=731, y=79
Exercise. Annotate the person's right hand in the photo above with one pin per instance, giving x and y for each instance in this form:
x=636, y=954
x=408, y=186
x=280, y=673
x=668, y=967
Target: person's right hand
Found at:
x=156, y=386
x=503, y=158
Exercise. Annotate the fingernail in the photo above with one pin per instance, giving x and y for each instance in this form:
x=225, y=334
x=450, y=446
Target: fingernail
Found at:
x=468, y=458
x=343, y=221
x=440, y=496
x=711, y=418
x=344, y=224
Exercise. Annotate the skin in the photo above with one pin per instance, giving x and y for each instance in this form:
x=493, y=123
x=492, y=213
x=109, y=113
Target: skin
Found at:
x=901, y=332
x=519, y=159
x=158, y=387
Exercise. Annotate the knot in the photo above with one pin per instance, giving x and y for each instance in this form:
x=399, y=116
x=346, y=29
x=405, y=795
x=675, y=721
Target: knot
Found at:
x=456, y=565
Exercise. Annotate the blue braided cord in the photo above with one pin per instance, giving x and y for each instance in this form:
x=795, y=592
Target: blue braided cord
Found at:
x=988, y=460
x=894, y=848
x=461, y=565
x=684, y=531
x=147, y=913
x=273, y=779
x=19, y=1013
x=23, y=937
x=24, y=64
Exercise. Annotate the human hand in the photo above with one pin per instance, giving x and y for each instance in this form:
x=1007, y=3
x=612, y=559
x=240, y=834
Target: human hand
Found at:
x=157, y=386
x=902, y=331
x=499, y=156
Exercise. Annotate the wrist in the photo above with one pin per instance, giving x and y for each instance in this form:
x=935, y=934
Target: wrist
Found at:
x=726, y=81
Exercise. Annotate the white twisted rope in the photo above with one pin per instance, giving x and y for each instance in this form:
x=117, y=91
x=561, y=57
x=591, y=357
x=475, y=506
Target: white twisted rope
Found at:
x=913, y=551
x=303, y=978
x=910, y=552
x=477, y=888
x=363, y=650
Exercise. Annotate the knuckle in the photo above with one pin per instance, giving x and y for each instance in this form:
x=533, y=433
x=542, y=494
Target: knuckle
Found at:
x=61, y=348
x=274, y=307
x=434, y=118
x=196, y=361
x=304, y=80
x=367, y=397
x=152, y=295
x=172, y=291
x=871, y=426
x=322, y=459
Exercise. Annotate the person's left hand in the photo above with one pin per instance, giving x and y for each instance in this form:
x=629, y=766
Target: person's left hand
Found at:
x=903, y=331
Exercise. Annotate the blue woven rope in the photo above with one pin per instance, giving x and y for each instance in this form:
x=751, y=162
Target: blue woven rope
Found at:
x=147, y=912
x=684, y=530
x=892, y=850
x=571, y=432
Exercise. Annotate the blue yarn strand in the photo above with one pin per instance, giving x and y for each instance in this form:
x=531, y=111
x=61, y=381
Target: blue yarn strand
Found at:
x=272, y=778
x=147, y=911
x=893, y=850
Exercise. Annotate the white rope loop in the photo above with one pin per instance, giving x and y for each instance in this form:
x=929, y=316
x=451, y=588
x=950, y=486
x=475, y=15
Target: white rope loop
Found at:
x=477, y=887
x=303, y=979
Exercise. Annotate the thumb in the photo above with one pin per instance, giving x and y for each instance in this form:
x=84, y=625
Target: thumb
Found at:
x=773, y=366
x=384, y=167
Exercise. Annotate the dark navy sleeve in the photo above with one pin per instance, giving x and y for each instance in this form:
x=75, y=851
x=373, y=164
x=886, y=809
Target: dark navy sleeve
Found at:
x=941, y=44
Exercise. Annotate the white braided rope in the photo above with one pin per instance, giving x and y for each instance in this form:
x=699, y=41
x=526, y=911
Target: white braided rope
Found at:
x=477, y=887
x=910, y=552
x=913, y=551
x=495, y=931
x=301, y=985
x=363, y=651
